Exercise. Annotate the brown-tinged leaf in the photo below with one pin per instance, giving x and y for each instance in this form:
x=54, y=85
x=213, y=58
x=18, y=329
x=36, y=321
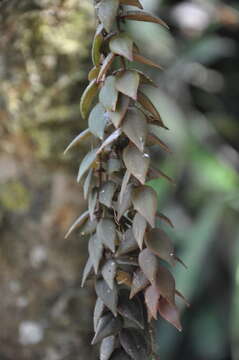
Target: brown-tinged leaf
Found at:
x=86, y=163
x=87, y=183
x=123, y=278
x=125, y=204
x=135, y=127
x=87, y=270
x=139, y=15
x=97, y=43
x=93, y=73
x=107, y=12
x=82, y=136
x=139, y=283
x=87, y=98
x=97, y=121
x=166, y=284
x=120, y=355
x=107, y=347
x=152, y=295
x=114, y=136
x=139, y=227
x=180, y=261
x=149, y=106
x=105, y=66
x=165, y=219
x=160, y=244
x=136, y=162
x=108, y=272
x=121, y=44
x=134, y=344
x=169, y=313
x=92, y=201
x=107, y=295
x=106, y=232
x=179, y=294
x=114, y=165
x=89, y=227
x=77, y=223
x=128, y=244
x=143, y=60
x=121, y=109
x=154, y=140
x=149, y=264
x=107, y=326
x=106, y=193
x=160, y=174
x=108, y=94
x=124, y=184
x=145, y=79
x=145, y=201
x=131, y=310
x=98, y=311
x=131, y=3
x=127, y=82
x=95, y=249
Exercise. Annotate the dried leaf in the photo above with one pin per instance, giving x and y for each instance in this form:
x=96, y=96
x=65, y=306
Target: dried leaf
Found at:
x=107, y=326
x=145, y=79
x=82, y=136
x=139, y=283
x=143, y=16
x=149, y=106
x=105, y=66
x=92, y=201
x=121, y=44
x=107, y=12
x=135, y=127
x=125, y=204
x=124, y=184
x=128, y=244
x=114, y=136
x=166, y=284
x=143, y=60
x=131, y=310
x=152, y=295
x=136, y=162
x=123, y=277
x=131, y=3
x=127, y=82
x=149, y=264
x=134, y=344
x=77, y=223
x=86, y=163
x=160, y=244
x=139, y=227
x=156, y=141
x=108, y=94
x=95, y=249
x=145, y=201
x=97, y=43
x=87, y=98
x=98, y=311
x=97, y=121
x=108, y=272
x=107, y=347
x=106, y=232
x=169, y=313
x=120, y=112
x=106, y=193
x=87, y=270
x=87, y=183
x=107, y=295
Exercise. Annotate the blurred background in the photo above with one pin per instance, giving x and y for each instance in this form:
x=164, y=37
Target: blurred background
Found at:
x=44, y=60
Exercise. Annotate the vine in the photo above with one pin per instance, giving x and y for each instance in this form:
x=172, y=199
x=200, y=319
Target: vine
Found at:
x=127, y=252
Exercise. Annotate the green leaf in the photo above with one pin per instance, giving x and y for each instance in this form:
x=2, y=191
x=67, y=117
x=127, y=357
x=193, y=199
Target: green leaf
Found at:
x=87, y=98
x=152, y=295
x=134, y=344
x=97, y=121
x=92, y=201
x=149, y=264
x=95, y=249
x=105, y=66
x=98, y=311
x=131, y=310
x=120, y=112
x=107, y=12
x=93, y=73
x=159, y=243
x=108, y=94
x=127, y=82
x=131, y=3
x=87, y=183
x=77, y=140
x=107, y=295
x=77, y=223
x=107, y=347
x=143, y=16
x=145, y=201
x=108, y=272
x=124, y=185
x=169, y=313
x=87, y=270
x=106, y=193
x=136, y=162
x=97, y=43
x=86, y=163
x=128, y=243
x=107, y=326
x=139, y=227
x=139, y=283
x=106, y=232
x=121, y=44
x=123, y=206
x=135, y=127
x=114, y=136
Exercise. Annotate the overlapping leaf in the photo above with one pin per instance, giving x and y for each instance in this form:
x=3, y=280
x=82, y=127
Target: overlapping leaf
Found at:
x=169, y=313
x=107, y=347
x=86, y=163
x=149, y=264
x=108, y=272
x=127, y=82
x=136, y=128
x=88, y=97
x=107, y=11
x=107, y=295
x=108, y=325
x=134, y=343
x=106, y=233
x=95, y=248
x=143, y=16
x=121, y=108
x=97, y=121
x=106, y=193
x=139, y=283
x=108, y=94
x=160, y=244
x=136, y=162
x=139, y=227
x=145, y=201
x=121, y=44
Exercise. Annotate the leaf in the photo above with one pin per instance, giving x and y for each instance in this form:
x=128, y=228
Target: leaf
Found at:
x=121, y=44
x=92, y=201
x=145, y=79
x=159, y=243
x=108, y=272
x=145, y=201
x=131, y=310
x=124, y=184
x=152, y=295
x=139, y=227
x=166, y=284
x=87, y=270
x=98, y=311
x=93, y=73
x=114, y=136
x=105, y=66
x=120, y=112
x=107, y=347
x=179, y=294
x=95, y=249
x=143, y=60
x=89, y=227
x=136, y=162
x=127, y=82
x=87, y=98
x=107, y=295
x=165, y=219
x=108, y=94
x=134, y=344
x=149, y=264
x=97, y=121
x=149, y=106
x=125, y=260
x=114, y=165
x=120, y=355
x=131, y=3
x=159, y=173
x=125, y=204
x=106, y=232
x=107, y=12
x=106, y=193
x=77, y=223
x=139, y=283
x=107, y=326
x=86, y=163
x=87, y=183
x=97, y=43
x=128, y=243
x=135, y=127
x=82, y=136
x=156, y=141
x=143, y=16
x=169, y=313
